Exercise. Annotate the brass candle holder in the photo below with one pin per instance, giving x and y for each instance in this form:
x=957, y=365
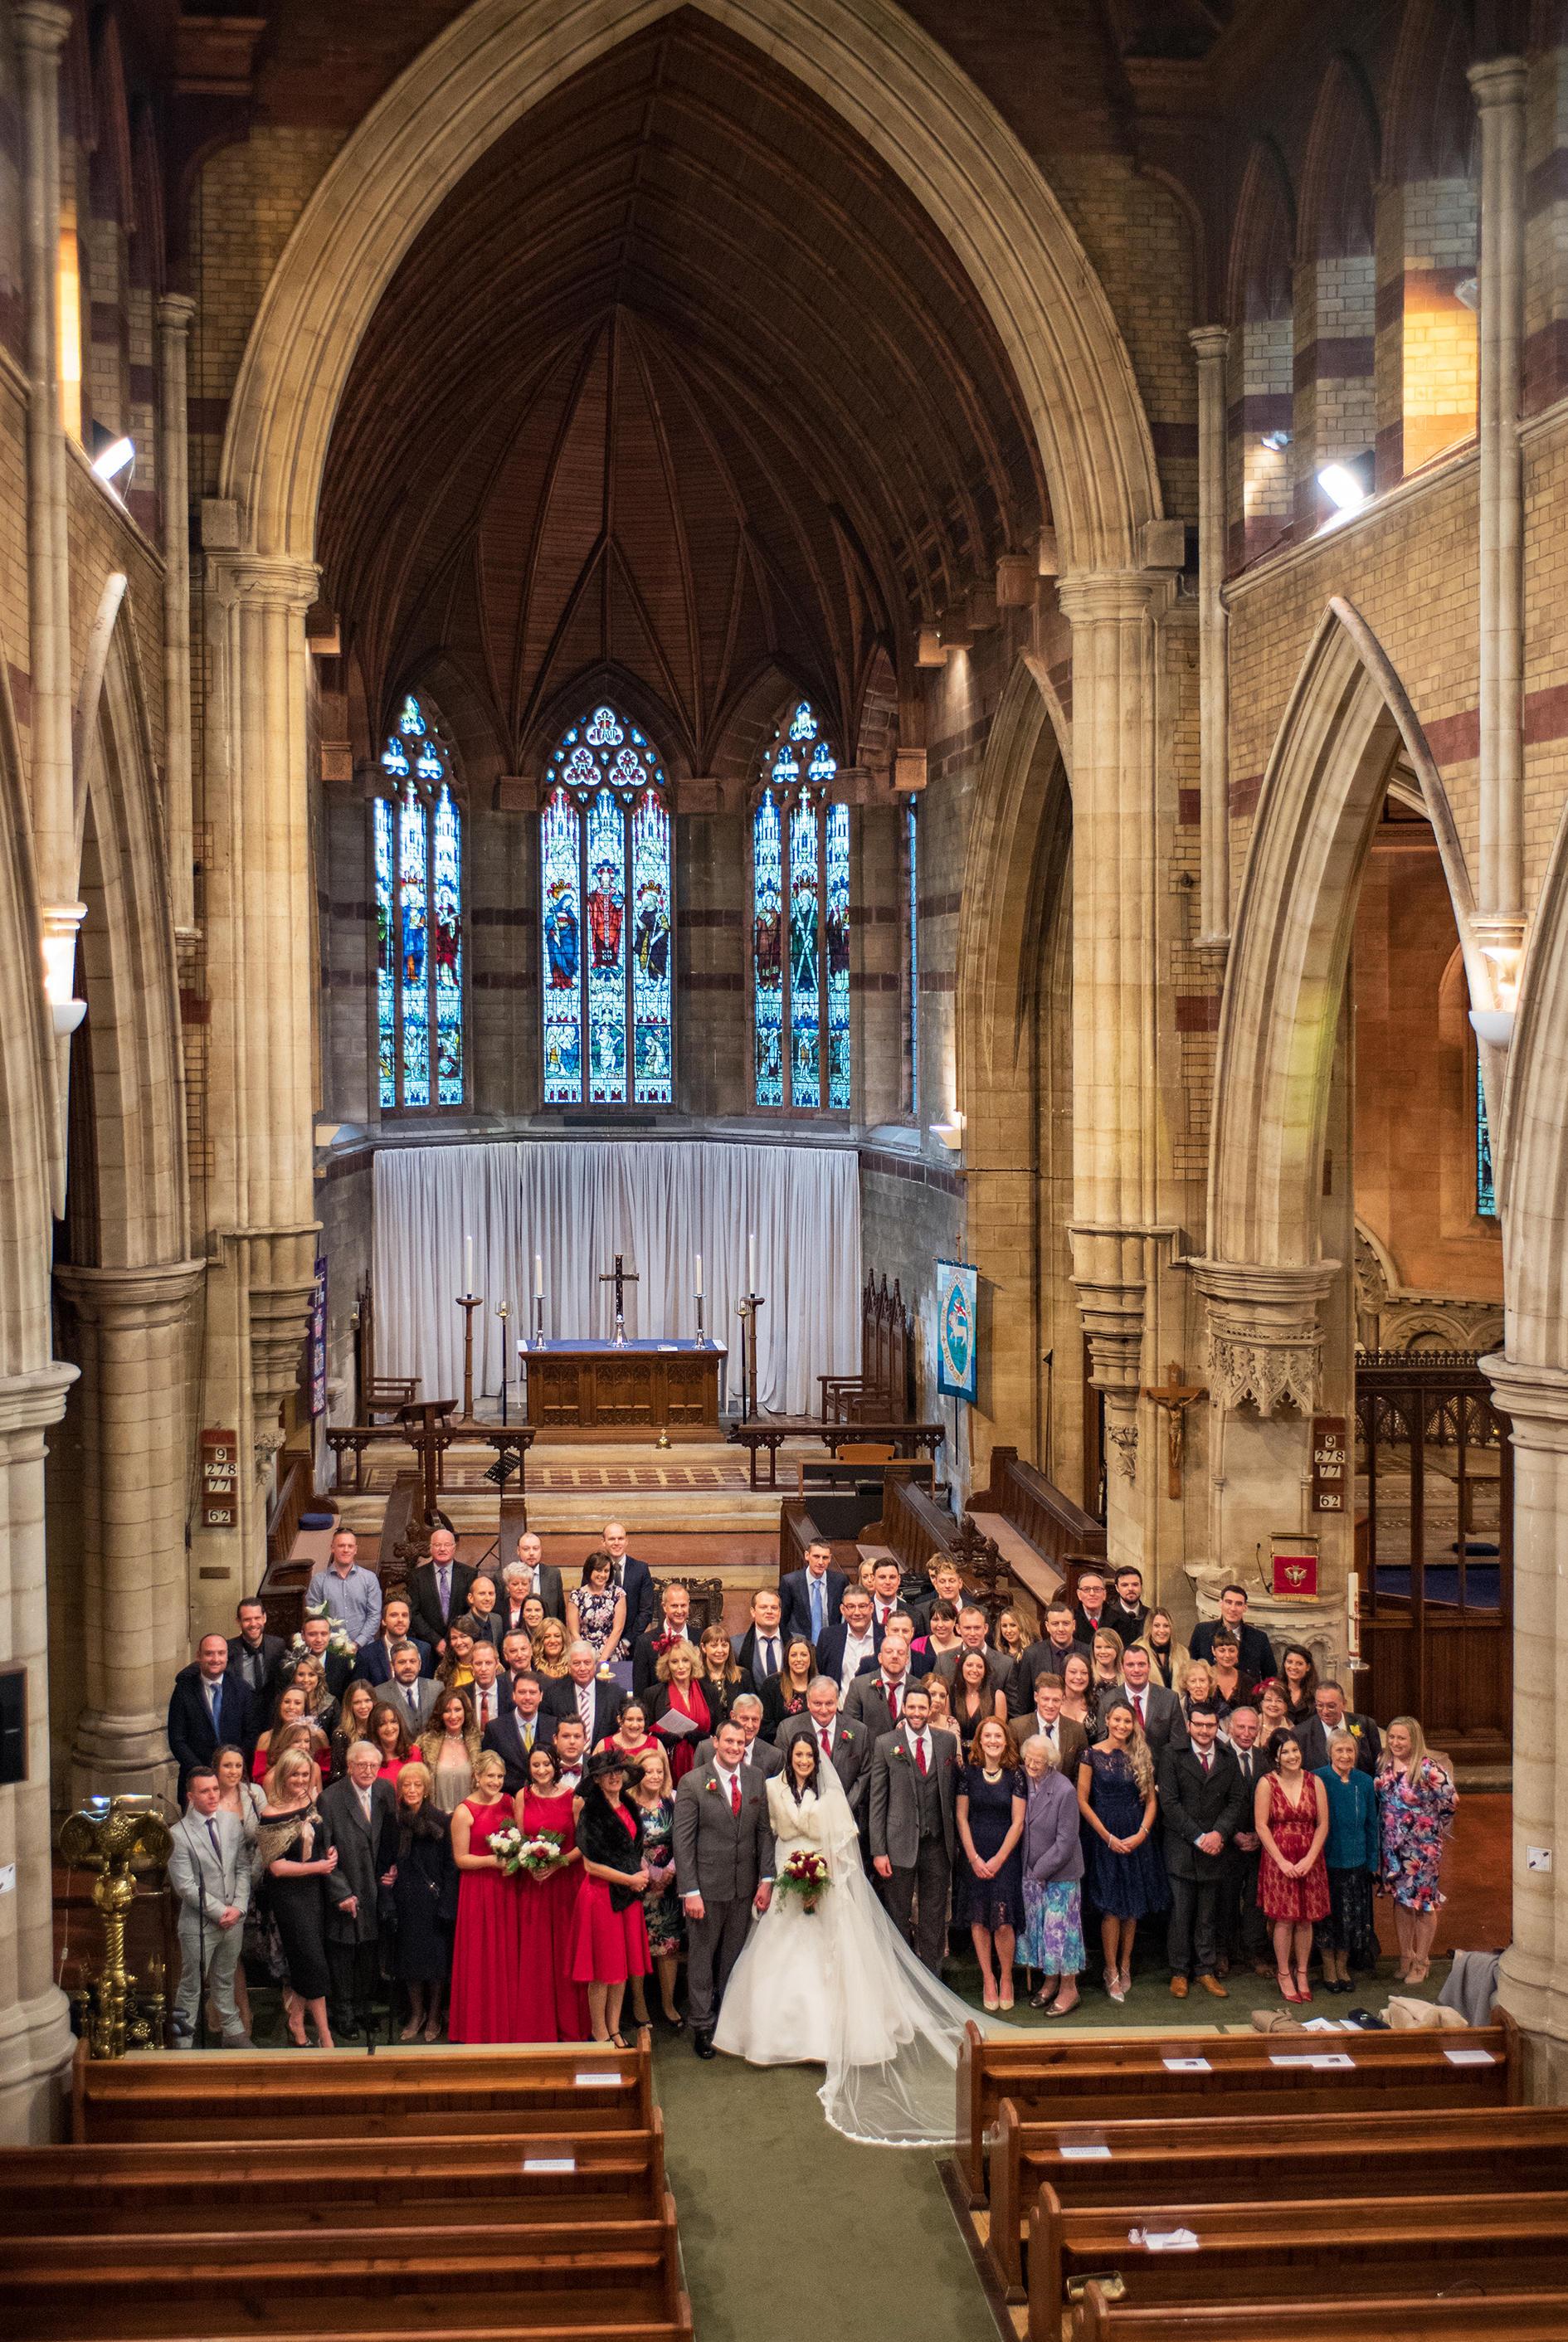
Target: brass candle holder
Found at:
x=107, y=1836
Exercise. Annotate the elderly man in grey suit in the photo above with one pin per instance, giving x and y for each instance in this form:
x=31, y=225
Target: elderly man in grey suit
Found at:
x=209, y=1871
x=846, y=1747
x=359, y=1818
x=723, y=1846
x=747, y=1712
x=914, y=1784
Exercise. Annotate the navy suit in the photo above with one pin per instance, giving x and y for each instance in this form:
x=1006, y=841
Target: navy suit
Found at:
x=192, y=1735
x=1257, y=1653
x=830, y=1650
x=794, y=1593
x=642, y=1594
x=373, y=1666
x=506, y=1738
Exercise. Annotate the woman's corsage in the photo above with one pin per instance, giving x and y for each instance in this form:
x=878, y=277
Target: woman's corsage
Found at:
x=805, y=1875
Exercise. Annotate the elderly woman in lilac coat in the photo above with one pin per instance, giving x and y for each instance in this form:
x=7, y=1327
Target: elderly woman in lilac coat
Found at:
x=1053, y=1939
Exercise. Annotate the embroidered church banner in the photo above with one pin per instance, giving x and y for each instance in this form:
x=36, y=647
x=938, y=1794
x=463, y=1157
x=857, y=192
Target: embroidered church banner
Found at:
x=955, y=1373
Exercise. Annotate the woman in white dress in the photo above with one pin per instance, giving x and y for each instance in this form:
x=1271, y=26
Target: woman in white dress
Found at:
x=838, y=1986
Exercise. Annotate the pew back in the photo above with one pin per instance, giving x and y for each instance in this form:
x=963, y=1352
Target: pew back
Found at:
x=1409, y=2317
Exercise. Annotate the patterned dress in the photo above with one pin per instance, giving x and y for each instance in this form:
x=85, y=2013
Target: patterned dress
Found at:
x=662, y=1906
x=596, y=1616
x=1294, y=1827
x=1414, y=1811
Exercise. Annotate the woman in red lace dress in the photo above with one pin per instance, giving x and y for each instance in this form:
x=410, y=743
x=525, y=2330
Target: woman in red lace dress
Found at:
x=1290, y=1818
x=486, y=1957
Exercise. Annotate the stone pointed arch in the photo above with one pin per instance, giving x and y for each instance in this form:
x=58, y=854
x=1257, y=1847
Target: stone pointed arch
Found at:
x=29, y=1116
x=1006, y=824
x=868, y=60
x=1347, y=723
x=1533, y=1143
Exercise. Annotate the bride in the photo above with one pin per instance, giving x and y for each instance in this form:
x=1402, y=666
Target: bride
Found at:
x=838, y=1986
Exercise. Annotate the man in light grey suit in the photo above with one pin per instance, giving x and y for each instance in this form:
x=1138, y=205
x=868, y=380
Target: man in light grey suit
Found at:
x=209, y=1871
x=723, y=1846
x=747, y=1712
x=914, y=1779
x=410, y=1692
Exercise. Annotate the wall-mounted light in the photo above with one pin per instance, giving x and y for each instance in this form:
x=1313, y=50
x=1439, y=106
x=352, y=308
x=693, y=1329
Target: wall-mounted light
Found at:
x=1496, y=1024
x=60, y=921
x=119, y=456
x=1342, y=488
x=928, y=650
x=1467, y=292
x=1276, y=442
x=951, y=1132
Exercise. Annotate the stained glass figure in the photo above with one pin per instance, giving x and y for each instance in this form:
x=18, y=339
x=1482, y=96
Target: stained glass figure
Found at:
x=609, y=919
x=1485, y=1181
x=768, y=949
x=800, y=880
x=804, y=956
x=417, y=849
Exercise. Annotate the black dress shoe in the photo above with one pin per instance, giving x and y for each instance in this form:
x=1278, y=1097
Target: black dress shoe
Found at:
x=344, y=2032
x=703, y=2043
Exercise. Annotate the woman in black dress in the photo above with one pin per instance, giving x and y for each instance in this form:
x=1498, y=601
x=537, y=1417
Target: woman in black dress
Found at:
x=1300, y=1679
x=419, y=1895
x=286, y=1838
x=783, y=1695
x=989, y=1888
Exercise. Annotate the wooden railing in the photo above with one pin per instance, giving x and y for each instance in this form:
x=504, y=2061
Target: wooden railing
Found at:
x=288, y=1508
x=1061, y=1531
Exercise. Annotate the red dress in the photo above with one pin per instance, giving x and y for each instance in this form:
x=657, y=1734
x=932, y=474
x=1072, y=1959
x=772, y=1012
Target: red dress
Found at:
x=486, y=1956
x=1295, y=1827
x=682, y=1748
x=551, y=2006
x=608, y=1945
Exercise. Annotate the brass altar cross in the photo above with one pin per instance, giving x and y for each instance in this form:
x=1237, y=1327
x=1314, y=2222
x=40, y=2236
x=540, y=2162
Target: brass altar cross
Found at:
x=1175, y=1399
x=620, y=1278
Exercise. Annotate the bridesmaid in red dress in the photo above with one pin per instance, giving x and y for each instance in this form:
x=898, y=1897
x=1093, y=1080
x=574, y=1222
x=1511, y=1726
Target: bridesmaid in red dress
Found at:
x=609, y=1932
x=552, y=2006
x=486, y=1957
x=1290, y=1818
x=681, y=1696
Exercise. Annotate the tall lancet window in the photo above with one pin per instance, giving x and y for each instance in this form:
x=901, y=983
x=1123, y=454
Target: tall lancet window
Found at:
x=800, y=924
x=417, y=843
x=604, y=841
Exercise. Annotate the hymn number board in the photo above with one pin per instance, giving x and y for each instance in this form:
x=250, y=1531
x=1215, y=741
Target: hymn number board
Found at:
x=220, y=1480
x=1330, y=1464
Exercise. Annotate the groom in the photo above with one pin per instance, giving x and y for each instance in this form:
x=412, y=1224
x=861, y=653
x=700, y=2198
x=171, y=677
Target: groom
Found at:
x=723, y=1867
x=914, y=1781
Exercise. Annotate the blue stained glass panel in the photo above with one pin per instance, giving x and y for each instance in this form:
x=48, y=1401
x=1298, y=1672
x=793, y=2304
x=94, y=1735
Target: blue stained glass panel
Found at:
x=836, y=925
x=768, y=949
x=1486, y=1180
x=804, y=958
x=561, y=835
x=413, y=943
x=607, y=908
x=385, y=987
x=410, y=721
x=447, y=928
x=396, y=760
x=653, y=1051
x=802, y=723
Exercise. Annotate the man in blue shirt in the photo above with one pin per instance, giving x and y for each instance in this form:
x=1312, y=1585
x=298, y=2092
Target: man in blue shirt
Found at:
x=352, y=1595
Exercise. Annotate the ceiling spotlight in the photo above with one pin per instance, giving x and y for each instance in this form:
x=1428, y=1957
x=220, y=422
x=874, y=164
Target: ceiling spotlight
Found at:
x=117, y=457
x=1342, y=488
x=1468, y=291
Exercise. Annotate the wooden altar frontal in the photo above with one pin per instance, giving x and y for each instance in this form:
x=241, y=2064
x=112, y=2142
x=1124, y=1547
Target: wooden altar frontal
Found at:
x=573, y=1385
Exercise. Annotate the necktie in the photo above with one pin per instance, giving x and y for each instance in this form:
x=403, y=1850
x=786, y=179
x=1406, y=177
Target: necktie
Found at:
x=411, y=1696
x=213, y=1834
x=770, y=1657
x=919, y=1753
x=1204, y=1762
x=822, y=1736
x=735, y=1794
x=528, y=1735
x=586, y=1707
x=215, y=1699
x=443, y=1580
x=484, y=1709
x=893, y=1701
x=1138, y=1707
x=817, y=1609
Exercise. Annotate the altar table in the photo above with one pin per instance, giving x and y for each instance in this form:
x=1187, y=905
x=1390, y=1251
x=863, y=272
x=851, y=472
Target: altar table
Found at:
x=584, y=1385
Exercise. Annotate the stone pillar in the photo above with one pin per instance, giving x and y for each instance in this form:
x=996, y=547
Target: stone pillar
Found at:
x=35, y=2038
x=1212, y=344
x=1533, y=1985
x=1114, y=1093
x=175, y=311
x=1499, y=88
x=134, y=1434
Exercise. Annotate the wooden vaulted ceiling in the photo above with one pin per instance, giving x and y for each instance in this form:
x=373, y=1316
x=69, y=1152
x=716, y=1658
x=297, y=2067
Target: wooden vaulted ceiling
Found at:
x=679, y=385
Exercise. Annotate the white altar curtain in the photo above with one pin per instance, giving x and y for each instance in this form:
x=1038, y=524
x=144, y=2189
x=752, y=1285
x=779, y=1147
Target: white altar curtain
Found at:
x=659, y=1204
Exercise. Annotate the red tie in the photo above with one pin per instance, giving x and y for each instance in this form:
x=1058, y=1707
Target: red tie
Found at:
x=822, y=1736
x=735, y=1794
x=919, y=1753
x=893, y=1701
x=1138, y=1704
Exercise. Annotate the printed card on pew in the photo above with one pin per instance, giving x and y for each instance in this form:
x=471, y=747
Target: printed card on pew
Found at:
x=1164, y=2241
x=1186, y=2066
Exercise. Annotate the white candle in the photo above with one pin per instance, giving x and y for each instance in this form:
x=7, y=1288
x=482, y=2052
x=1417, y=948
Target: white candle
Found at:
x=538, y=1276
x=750, y=1263
x=468, y=1265
x=699, y=1277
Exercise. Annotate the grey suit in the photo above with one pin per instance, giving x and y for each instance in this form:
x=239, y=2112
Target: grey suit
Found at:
x=426, y=1690
x=1164, y=1724
x=865, y=1702
x=851, y=1750
x=762, y=1756
x=722, y=1856
x=208, y=1884
x=913, y=1827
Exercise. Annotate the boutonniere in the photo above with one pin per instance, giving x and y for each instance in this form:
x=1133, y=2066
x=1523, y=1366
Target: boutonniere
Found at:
x=900, y=1756
x=711, y=1784
x=1354, y=1729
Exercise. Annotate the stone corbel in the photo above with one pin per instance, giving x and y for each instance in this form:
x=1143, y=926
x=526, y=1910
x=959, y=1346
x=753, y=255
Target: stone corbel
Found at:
x=1124, y=1438
x=267, y=1443
x=1265, y=1342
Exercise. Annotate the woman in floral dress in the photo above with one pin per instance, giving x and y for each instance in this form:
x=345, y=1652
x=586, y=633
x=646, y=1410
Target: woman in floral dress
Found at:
x=1416, y=1802
x=597, y=1611
x=655, y=1799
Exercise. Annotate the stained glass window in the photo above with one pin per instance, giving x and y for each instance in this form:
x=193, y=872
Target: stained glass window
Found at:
x=800, y=924
x=1486, y=1184
x=605, y=845
x=417, y=847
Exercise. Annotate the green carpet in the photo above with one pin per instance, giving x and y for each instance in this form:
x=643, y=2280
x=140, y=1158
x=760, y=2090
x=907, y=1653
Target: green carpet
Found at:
x=790, y=2233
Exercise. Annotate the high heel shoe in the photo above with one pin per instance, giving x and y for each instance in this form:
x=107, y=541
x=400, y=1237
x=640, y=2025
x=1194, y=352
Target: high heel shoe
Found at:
x=1286, y=1986
x=1419, y=1971
x=1303, y=1989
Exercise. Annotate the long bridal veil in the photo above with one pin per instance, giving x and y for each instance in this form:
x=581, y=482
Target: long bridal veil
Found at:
x=906, y=2095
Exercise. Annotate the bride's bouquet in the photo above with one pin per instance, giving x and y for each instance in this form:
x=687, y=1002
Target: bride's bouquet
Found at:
x=805, y=1875
x=532, y=1858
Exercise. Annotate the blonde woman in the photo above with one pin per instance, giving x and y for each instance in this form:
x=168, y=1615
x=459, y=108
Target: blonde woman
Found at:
x=1010, y=1635
x=1167, y=1659
x=550, y=1650
x=288, y=1838
x=291, y=1709
x=1416, y=1802
x=1125, y=1878
x=285, y=1739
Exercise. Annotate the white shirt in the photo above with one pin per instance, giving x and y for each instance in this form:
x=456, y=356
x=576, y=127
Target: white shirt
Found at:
x=363, y=1797
x=1051, y=1732
x=727, y=1781
x=921, y=1740
x=767, y=1648
x=855, y=1648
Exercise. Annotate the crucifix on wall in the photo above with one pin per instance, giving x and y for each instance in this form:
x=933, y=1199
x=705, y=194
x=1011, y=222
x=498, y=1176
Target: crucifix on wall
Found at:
x=1175, y=1398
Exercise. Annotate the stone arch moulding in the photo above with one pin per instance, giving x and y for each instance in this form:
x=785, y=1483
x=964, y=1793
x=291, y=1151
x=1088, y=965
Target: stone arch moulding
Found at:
x=1004, y=828
x=1345, y=724
x=876, y=68
x=1533, y=1178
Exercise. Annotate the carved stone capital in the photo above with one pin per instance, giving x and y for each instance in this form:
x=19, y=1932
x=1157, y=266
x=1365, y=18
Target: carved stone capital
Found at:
x=1265, y=1340
x=1104, y=596
x=1108, y=1265
x=263, y=581
x=39, y=26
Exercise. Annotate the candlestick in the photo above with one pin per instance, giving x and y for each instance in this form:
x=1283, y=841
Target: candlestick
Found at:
x=539, y=1319
x=504, y=1311
x=538, y=1276
x=699, y=1277
x=703, y=1342
x=468, y=1303
x=750, y=1263
x=468, y=1265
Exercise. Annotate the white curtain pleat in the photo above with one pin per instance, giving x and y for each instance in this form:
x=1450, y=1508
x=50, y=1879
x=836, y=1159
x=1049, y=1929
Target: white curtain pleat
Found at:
x=660, y=1204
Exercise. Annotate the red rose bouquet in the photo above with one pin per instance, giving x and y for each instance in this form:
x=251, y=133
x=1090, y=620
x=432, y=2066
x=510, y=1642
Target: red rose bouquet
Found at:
x=805, y=1875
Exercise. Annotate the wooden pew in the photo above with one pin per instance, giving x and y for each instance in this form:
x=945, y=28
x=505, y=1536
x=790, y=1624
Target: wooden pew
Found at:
x=1266, y=2252
x=572, y=2274
x=223, y=2094
x=1226, y=2158
x=226, y=2185
x=1404, y=2318
x=1108, y=2078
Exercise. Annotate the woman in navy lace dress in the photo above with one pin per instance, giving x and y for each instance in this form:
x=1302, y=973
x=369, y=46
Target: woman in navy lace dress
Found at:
x=1125, y=1876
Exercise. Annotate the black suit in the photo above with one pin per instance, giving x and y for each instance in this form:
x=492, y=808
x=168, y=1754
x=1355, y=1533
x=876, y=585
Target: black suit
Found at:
x=1314, y=1741
x=561, y=1699
x=337, y=1665
x=271, y=1651
x=746, y=1651
x=1257, y=1652
x=1084, y=1626
x=506, y=1738
x=1042, y=1658
x=491, y=1628
x=425, y=1622
x=191, y=1731
x=645, y=1659
x=1193, y=1801
x=1128, y=1624
x=794, y=1593
x=1243, y=1929
x=373, y=1664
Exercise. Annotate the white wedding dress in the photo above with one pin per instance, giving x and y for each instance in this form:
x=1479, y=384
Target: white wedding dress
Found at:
x=839, y=1987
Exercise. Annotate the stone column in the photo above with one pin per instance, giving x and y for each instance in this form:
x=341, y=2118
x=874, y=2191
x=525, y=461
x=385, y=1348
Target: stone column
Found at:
x=1212, y=344
x=1115, y=1095
x=258, y=932
x=1533, y=1985
x=175, y=311
x=132, y=1341
x=35, y=2040
x=1499, y=88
